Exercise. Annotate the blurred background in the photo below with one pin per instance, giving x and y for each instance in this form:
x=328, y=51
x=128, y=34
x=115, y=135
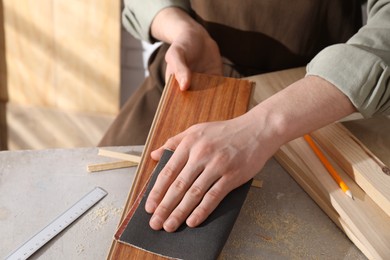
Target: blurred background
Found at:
x=66, y=67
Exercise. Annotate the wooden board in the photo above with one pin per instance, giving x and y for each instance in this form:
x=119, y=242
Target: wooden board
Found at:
x=3, y=84
x=374, y=134
x=210, y=98
x=361, y=164
x=363, y=221
x=64, y=54
x=3, y=65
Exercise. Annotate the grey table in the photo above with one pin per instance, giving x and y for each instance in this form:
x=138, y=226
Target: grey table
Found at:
x=277, y=221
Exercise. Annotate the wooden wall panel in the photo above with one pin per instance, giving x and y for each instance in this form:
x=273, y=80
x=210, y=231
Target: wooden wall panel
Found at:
x=64, y=54
x=3, y=67
x=3, y=84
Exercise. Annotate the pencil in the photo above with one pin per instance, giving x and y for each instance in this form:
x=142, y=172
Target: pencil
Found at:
x=328, y=166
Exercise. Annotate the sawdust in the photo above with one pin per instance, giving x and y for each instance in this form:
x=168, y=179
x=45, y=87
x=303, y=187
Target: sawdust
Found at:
x=4, y=213
x=96, y=219
x=80, y=249
x=271, y=231
x=102, y=214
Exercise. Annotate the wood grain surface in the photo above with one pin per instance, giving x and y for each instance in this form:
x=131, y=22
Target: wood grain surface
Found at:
x=210, y=98
x=3, y=83
x=363, y=166
x=63, y=54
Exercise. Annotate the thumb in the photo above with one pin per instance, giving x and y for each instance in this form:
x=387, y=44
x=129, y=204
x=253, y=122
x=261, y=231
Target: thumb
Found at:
x=183, y=76
x=156, y=154
x=171, y=144
x=177, y=65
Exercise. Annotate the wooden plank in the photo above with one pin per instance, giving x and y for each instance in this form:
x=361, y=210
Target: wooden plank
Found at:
x=122, y=156
x=210, y=98
x=361, y=164
x=270, y=83
x=363, y=221
x=3, y=84
x=3, y=65
x=64, y=54
x=110, y=166
x=374, y=134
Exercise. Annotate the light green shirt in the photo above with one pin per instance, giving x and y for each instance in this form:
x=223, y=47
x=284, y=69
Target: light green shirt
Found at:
x=359, y=68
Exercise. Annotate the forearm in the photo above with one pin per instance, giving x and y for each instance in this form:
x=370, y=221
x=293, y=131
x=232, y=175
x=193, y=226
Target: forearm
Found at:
x=360, y=67
x=172, y=22
x=302, y=107
x=137, y=15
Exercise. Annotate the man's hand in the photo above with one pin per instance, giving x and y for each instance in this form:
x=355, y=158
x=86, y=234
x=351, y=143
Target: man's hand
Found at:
x=192, y=49
x=210, y=160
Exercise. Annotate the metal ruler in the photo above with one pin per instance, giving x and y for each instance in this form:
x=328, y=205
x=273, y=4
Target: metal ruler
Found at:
x=57, y=225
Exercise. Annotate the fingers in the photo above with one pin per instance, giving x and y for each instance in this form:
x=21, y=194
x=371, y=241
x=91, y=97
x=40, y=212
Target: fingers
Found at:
x=191, y=198
x=168, y=214
x=198, y=202
x=166, y=177
x=208, y=204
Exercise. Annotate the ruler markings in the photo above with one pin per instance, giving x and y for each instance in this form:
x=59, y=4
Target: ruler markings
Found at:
x=58, y=225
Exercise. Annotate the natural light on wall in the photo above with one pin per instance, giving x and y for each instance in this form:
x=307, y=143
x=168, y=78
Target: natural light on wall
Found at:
x=62, y=56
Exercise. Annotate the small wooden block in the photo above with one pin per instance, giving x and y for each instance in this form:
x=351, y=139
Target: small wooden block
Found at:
x=121, y=156
x=110, y=166
x=257, y=183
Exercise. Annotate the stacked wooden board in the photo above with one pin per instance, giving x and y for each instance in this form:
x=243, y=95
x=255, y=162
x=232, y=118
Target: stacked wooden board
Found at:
x=366, y=219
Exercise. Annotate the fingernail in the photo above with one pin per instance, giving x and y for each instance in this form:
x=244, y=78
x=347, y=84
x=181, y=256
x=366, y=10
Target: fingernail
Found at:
x=192, y=221
x=171, y=225
x=182, y=83
x=150, y=206
x=155, y=222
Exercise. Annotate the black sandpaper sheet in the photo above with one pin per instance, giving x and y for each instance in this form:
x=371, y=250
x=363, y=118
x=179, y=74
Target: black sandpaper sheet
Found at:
x=203, y=242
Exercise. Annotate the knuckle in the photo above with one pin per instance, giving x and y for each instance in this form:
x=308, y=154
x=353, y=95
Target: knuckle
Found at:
x=180, y=185
x=154, y=195
x=179, y=213
x=196, y=192
x=170, y=141
x=168, y=172
x=214, y=195
x=201, y=212
x=162, y=210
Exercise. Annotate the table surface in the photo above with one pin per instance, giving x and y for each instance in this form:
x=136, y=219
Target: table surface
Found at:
x=278, y=221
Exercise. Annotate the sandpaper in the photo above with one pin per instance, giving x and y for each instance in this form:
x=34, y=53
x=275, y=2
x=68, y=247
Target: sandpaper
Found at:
x=203, y=242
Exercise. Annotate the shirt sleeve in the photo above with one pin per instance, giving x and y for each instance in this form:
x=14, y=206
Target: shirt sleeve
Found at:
x=138, y=15
x=360, y=67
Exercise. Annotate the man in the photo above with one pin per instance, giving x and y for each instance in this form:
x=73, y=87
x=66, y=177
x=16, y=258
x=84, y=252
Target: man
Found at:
x=241, y=38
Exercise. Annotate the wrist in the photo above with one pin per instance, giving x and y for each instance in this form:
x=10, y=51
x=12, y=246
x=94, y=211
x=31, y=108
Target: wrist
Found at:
x=269, y=127
x=302, y=107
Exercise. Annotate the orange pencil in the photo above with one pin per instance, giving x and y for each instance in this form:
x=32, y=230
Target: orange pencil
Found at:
x=328, y=165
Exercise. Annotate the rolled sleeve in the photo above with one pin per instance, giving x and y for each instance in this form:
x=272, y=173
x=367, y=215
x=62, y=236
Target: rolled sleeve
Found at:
x=360, y=67
x=138, y=15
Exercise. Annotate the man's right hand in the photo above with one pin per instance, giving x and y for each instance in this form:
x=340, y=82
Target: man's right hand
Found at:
x=192, y=49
